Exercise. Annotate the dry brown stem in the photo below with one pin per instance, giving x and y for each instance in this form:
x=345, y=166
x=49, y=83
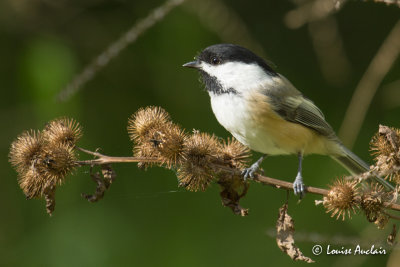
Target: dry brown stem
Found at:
x=368, y=85
x=105, y=160
x=116, y=47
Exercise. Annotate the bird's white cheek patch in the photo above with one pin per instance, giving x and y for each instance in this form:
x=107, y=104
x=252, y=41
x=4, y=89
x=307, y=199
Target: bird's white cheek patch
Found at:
x=240, y=76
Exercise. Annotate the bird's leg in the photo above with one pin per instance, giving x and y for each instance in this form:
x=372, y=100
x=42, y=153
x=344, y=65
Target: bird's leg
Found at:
x=298, y=185
x=249, y=172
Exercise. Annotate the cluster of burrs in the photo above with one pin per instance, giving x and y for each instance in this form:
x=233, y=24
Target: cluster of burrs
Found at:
x=198, y=158
x=44, y=158
x=351, y=194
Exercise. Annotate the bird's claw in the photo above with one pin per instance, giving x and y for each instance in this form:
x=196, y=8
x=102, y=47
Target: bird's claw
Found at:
x=249, y=172
x=299, y=187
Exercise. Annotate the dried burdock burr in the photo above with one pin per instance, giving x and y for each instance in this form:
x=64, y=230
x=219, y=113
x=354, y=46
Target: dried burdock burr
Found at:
x=62, y=131
x=147, y=128
x=372, y=201
x=26, y=150
x=32, y=182
x=201, y=150
x=44, y=159
x=58, y=161
x=145, y=121
x=235, y=153
x=385, y=147
x=171, y=145
x=342, y=199
x=386, y=142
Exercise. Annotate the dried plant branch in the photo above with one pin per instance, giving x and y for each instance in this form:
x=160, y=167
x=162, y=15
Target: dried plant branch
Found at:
x=225, y=22
x=388, y=2
x=328, y=46
x=368, y=85
x=115, y=48
x=44, y=158
x=312, y=11
x=281, y=184
x=324, y=33
x=105, y=160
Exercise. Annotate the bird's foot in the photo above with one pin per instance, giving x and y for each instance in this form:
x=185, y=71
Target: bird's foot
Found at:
x=299, y=187
x=249, y=172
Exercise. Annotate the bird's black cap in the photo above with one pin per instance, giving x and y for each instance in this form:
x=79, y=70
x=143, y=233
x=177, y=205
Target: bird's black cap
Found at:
x=222, y=53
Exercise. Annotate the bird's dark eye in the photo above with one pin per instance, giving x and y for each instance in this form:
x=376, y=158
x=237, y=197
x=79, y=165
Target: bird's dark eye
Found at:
x=215, y=60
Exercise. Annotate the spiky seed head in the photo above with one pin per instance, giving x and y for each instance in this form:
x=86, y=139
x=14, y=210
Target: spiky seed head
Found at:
x=194, y=177
x=26, y=150
x=380, y=145
x=342, y=199
x=148, y=147
x=32, y=182
x=171, y=145
x=201, y=149
x=58, y=161
x=386, y=154
x=372, y=201
x=145, y=150
x=146, y=120
x=63, y=131
x=235, y=153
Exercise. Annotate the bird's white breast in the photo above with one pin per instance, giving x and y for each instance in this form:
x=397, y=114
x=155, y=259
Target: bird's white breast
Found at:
x=233, y=113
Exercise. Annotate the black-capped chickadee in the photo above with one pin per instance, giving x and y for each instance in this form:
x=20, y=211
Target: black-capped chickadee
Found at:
x=265, y=112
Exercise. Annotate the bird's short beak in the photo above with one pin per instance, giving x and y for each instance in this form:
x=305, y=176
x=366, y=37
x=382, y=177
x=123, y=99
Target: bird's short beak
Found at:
x=192, y=64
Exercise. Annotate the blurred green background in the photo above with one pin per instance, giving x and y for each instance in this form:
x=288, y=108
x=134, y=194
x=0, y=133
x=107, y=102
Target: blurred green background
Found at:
x=145, y=219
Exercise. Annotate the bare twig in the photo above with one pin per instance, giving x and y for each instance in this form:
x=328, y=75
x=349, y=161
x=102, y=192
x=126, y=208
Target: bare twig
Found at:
x=388, y=2
x=325, y=35
x=115, y=48
x=312, y=11
x=105, y=160
x=368, y=85
x=328, y=46
x=225, y=22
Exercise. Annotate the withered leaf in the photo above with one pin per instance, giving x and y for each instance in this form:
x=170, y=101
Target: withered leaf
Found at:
x=284, y=236
x=233, y=189
x=103, y=183
x=391, y=239
x=49, y=196
x=108, y=174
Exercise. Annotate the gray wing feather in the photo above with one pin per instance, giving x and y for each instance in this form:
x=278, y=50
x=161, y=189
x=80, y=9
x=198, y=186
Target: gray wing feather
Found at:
x=289, y=103
x=292, y=106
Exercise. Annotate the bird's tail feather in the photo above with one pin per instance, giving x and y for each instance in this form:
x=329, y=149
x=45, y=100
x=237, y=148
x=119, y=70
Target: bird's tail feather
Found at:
x=355, y=165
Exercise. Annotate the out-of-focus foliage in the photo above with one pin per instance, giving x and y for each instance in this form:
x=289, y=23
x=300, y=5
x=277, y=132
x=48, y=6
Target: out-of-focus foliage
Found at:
x=144, y=219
